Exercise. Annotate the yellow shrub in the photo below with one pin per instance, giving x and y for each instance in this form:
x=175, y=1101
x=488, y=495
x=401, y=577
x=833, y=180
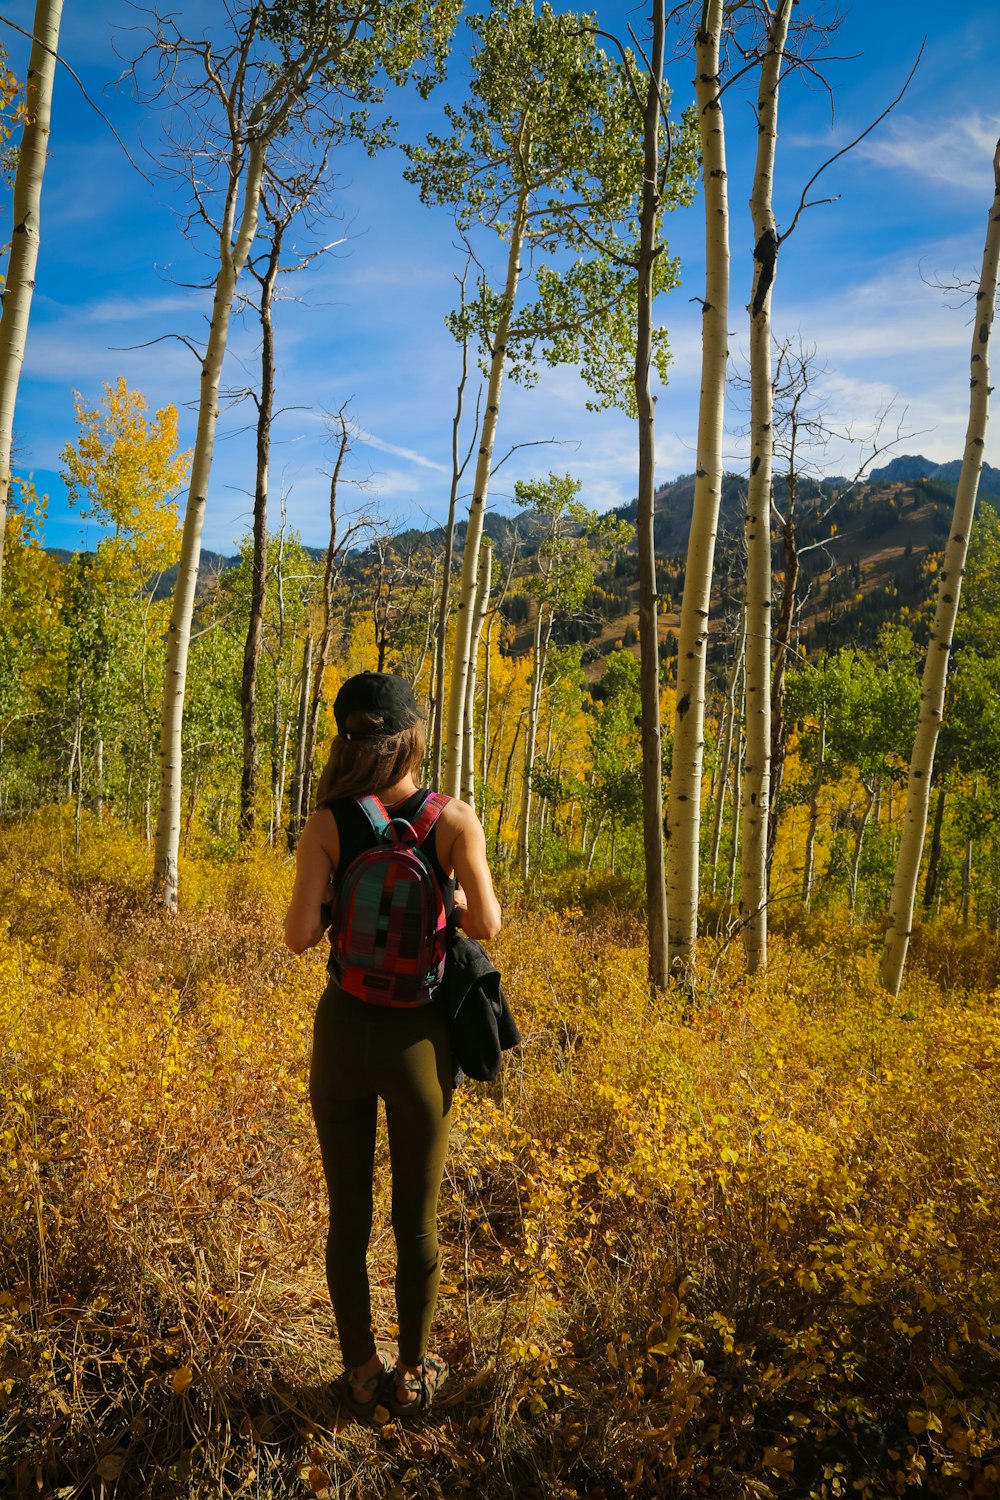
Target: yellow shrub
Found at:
x=746, y=1246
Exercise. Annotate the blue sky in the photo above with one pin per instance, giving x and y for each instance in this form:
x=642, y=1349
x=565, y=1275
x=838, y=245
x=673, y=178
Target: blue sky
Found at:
x=365, y=324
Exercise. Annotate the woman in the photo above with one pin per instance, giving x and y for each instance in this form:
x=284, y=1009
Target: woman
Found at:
x=363, y=1052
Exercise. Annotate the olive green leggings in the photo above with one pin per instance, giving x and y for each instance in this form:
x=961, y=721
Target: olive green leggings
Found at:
x=362, y=1053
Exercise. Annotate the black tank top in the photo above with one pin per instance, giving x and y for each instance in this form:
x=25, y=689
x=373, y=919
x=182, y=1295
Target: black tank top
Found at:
x=356, y=835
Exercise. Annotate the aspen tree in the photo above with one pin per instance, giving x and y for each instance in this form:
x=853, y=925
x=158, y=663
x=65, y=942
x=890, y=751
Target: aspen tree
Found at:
x=338, y=544
x=684, y=805
x=458, y=468
x=757, y=748
x=622, y=376
x=726, y=754
x=289, y=198
x=480, y=606
x=649, y=630
x=545, y=154
x=900, y=918
x=267, y=279
x=572, y=540
x=19, y=285
x=275, y=74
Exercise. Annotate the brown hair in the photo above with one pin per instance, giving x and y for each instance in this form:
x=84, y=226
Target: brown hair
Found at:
x=371, y=762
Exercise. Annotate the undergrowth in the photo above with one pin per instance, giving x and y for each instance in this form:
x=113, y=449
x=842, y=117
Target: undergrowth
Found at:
x=742, y=1248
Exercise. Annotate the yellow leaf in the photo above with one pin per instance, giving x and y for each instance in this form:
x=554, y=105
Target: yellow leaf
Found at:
x=779, y=1461
x=182, y=1379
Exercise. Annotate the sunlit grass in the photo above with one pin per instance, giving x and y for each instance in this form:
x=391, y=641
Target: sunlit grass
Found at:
x=740, y=1249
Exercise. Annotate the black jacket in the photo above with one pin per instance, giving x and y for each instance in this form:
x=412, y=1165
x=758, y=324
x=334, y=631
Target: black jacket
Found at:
x=480, y=1024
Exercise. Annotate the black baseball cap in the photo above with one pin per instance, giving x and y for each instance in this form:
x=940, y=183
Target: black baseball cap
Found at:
x=376, y=693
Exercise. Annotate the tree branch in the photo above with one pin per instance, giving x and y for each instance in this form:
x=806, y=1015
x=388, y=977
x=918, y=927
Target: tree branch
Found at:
x=803, y=205
x=6, y=21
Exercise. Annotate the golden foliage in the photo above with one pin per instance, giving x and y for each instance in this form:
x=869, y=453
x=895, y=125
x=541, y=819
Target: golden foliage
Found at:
x=744, y=1249
x=124, y=470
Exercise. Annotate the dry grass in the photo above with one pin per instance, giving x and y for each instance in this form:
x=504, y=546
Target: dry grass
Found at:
x=746, y=1252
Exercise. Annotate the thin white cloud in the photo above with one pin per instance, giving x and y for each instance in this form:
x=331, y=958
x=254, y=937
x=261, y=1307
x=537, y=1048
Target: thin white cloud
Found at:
x=955, y=153
x=134, y=309
x=409, y=454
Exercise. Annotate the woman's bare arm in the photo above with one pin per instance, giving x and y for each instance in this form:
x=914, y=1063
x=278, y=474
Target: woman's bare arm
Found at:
x=315, y=862
x=464, y=851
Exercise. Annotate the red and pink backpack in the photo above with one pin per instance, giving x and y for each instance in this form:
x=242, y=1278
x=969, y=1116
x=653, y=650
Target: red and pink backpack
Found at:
x=388, y=936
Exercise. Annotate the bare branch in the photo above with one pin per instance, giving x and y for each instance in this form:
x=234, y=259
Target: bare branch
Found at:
x=6, y=21
x=536, y=443
x=803, y=205
x=181, y=338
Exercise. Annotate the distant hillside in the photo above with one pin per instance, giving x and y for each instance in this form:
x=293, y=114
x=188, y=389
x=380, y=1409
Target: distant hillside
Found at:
x=910, y=466
x=863, y=558
x=210, y=565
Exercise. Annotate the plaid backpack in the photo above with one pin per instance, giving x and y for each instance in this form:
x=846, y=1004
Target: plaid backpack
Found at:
x=389, y=931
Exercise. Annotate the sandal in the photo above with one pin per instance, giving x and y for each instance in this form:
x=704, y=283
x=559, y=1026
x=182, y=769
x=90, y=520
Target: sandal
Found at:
x=424, y=1384
x=363, y=1409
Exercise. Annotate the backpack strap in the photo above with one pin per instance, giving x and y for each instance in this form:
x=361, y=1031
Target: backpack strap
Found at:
x=431, y=809
x=381, y=823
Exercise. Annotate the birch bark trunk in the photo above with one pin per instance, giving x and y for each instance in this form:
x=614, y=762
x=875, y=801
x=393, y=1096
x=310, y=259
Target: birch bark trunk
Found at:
x=278, y=750
x=477, y=510
x=649, y=642
x=258, y=586
x=20, y=283
x=487, y=684
x=296, y=811
x=232, y=260
x=757, y=754
x=734, y=840
x=684, y=804
x=782, y=638
x=900, y=918
x=859, y=841
x=725, y=759
x=99, y=777
x=469, y=727
x=444, y=601
x=320, y=659
x=539, y=650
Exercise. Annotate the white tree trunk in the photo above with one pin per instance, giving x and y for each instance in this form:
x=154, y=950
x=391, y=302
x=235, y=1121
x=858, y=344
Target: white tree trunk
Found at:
x=757, y=754
x=20, y=283
x=483, y=585
x=684, y=803
x=99, y=777
x=231, y=261
x=726, y=756
x=477, y=510
x=734, y=840
x=485, y=752
x=538, y=651
x=900, y=920
x=859, y=842
x=649, y=632
x=444, y=599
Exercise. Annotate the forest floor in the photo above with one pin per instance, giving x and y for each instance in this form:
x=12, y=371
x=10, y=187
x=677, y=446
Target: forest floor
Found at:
x=747, y=1247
